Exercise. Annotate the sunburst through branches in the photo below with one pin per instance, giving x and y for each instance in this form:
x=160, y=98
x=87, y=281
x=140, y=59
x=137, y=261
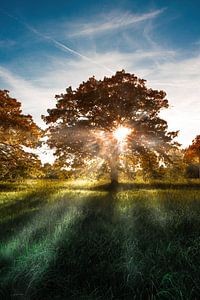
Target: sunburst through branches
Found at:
x=121, y=133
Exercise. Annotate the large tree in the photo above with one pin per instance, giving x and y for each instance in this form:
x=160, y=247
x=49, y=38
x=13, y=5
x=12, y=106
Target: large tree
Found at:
x=18, y=132
x=109, y=120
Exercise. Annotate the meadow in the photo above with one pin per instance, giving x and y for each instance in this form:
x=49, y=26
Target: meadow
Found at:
x=80, y=240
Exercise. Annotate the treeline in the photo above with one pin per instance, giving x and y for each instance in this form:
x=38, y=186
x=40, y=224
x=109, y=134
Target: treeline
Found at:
x=20, y=136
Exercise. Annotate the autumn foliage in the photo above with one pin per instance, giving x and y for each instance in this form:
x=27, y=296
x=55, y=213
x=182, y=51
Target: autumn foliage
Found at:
x=193, y=151
x=17, y=132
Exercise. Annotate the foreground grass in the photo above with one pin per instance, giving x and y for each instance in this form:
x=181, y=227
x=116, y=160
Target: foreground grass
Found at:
x=65, y=240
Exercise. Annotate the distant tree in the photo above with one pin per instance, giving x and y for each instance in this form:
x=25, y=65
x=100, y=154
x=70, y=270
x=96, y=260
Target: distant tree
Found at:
x=18, y=132
x=55, y=171
x=192, y=154
x=86, y=124
x=177, y=169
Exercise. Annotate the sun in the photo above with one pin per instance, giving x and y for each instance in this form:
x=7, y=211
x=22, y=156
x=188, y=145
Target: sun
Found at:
x=121, y=133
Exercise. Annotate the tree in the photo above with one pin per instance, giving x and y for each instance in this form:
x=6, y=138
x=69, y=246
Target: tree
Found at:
x=17, y=132
x=176, y=170
x=192, y=153
x=109, y=120
x=55, y=171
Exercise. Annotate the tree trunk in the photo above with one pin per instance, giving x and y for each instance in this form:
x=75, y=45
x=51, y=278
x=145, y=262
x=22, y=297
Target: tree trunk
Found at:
x=114, y=173
x=114, y=165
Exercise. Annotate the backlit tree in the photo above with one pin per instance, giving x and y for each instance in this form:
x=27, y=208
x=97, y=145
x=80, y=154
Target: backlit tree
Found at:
x=17, y=131
x=109, y=120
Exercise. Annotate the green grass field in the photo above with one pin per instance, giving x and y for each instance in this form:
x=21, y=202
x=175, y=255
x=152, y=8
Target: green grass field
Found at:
x=64, y=240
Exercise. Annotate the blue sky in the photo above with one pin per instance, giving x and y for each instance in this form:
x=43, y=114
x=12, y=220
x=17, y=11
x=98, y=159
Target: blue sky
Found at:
x=46, y=46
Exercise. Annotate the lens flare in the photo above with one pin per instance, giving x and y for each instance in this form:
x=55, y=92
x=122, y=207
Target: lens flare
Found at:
x=121, y=133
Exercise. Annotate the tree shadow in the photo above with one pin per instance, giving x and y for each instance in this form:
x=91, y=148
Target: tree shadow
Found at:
x=16, y=214
x=21, y=252
x=160, y=261
x=88, y=258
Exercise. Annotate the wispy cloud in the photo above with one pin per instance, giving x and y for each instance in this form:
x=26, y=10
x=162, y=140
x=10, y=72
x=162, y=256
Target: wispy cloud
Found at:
x=37, y=94
x=180, y=78
x=55, y=42
x=113, y=21
x=35, y=101
x=34, y=98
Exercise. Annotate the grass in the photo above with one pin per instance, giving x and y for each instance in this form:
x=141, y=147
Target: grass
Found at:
x=79, y=240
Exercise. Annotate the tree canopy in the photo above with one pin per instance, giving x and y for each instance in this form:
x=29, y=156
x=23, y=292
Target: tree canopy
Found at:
x=84, y=123
x=17, y=131
x=192, y=155
x=193, y=151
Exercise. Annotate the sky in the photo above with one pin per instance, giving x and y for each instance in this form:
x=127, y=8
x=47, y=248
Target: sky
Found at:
x=46, y=46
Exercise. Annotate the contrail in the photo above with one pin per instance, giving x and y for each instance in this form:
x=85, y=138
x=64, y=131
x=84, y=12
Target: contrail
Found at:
x=55, y=42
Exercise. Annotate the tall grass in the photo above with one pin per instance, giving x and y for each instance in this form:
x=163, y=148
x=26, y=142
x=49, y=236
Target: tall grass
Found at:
x=80, y=240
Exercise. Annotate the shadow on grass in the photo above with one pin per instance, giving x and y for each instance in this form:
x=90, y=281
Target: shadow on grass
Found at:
x=17, y=213
x=85, y=256
x=162, y=255
x=142, y=252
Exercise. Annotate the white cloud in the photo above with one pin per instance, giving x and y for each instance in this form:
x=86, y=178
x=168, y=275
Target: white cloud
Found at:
x=181, y=80
x=35, y=99
x=37, y=95
x=112, y=21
